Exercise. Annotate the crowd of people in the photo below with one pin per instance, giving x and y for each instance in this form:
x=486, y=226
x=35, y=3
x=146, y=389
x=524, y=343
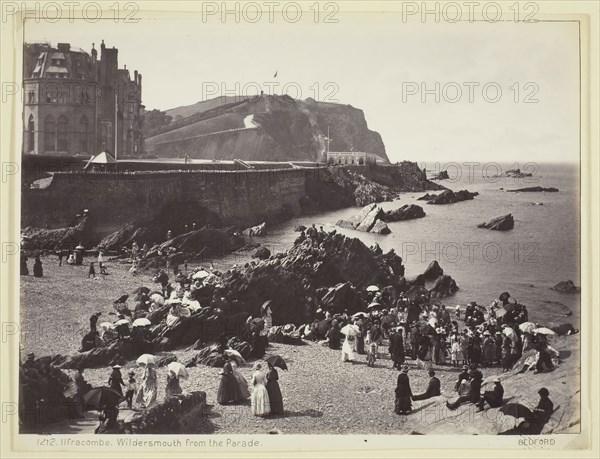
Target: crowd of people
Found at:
x=414, y=329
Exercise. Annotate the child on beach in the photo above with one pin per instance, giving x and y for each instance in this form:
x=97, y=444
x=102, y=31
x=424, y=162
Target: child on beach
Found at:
x=92, y=271
x=131, y=389
x=454, y=350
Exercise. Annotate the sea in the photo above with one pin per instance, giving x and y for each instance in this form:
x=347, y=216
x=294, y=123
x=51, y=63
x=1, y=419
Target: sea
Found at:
x=542, y=249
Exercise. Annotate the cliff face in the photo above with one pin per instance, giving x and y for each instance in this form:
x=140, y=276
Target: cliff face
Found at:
x=276, y=128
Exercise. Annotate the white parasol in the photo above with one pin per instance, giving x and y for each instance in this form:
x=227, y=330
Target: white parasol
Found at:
x=234, y=355
x=146, y=359
x=179, y=370
x=527, y=327
x=121, y=322
x=158, y=299
x=509, y=332
x=372, y=288
x=141, y=322
x=350, y=330
x=200, y=274
x=544, y=331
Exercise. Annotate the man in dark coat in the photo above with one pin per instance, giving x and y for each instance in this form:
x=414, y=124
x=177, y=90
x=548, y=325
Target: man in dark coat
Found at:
x=474, y=392
x=396, y=348
x=493, y=397
x=403, y=393
x=463, y=375
x=433, y=388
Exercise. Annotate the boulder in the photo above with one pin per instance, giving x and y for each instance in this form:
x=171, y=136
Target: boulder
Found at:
x=259, y=230
x=534, y=189
x=262, y=253
x=450, y=197
x=342, y=296
x=181, y=414
x=365, y=220
x=406, y=212
x=443, y=175
x=444, y=286
x=427, y=197
x=380, y=228
x=503, y=223
x=565, y=287
x=433, y=271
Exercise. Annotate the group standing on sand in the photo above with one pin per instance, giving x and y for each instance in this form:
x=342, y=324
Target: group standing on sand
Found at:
x=265, y=398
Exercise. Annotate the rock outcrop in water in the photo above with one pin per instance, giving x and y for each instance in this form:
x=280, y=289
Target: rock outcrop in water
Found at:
x=406, y=212
x=370, y=219
x=566, y=287
x=534, y=189
x=503, y=223
x=450, y=197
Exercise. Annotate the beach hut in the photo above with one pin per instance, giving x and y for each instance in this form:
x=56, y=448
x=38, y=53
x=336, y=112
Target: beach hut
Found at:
x=101, y=162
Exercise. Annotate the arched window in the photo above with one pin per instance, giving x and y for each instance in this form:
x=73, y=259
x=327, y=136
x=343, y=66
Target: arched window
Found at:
x=49, y=134
x=62, y=134
x=31, y=134
x=83, y=134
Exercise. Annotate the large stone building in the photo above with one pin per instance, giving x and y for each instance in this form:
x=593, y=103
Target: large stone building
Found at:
x=73, y=100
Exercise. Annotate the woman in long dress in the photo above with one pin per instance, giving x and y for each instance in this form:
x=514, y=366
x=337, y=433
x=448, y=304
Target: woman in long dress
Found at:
x=115, y=381
x=403, y=393
x=173, y=387
x=275, y=397
x=260, y=396
x=241, y=381
x=348, y=349
x=146, y=396
x=229, y=391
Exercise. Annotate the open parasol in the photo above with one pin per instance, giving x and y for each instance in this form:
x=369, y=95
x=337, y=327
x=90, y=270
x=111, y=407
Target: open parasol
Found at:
x=179, y=370
x=372, y=288
x=141, y=290
x=374, y=305
x=121, y=322
x=349, y=330
x=544, y=331
x=141, y=322
x=265, y=305
x=277, y=361
x=232, y=353
x=100, y=397
x=122, y=299
x=158, y=299
x=200, y=274
x=359, y=314
x=146, y=359
x=527, y=327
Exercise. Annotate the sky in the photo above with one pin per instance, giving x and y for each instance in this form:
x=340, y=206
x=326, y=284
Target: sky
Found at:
x=505, y=91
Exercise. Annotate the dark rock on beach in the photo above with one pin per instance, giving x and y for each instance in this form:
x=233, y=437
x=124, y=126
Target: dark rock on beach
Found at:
x=503, y=223
x=262, y=253
x=406, y=212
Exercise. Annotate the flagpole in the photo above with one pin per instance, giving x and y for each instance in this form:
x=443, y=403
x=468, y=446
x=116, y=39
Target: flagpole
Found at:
x=116, y=140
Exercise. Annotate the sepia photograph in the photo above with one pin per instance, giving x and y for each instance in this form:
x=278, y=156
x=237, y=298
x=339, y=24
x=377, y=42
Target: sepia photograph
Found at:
x=299, y=218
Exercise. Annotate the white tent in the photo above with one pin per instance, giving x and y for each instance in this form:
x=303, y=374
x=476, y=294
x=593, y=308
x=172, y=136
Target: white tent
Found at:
x=103, y=159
